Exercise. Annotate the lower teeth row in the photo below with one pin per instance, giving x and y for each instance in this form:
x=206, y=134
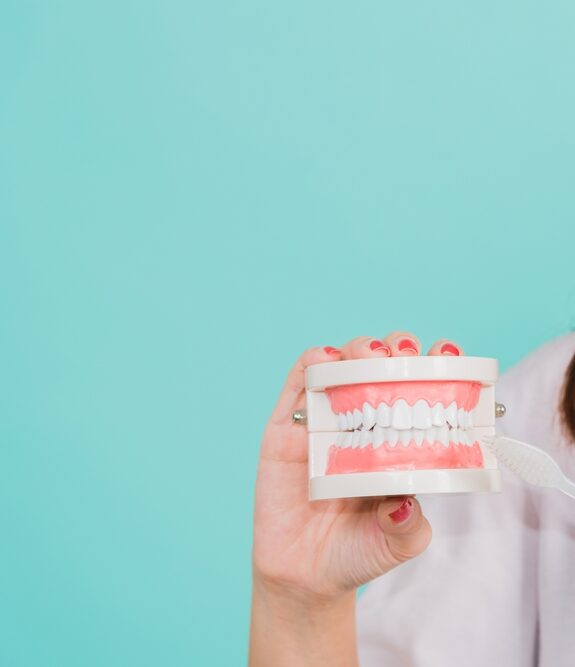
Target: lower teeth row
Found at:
x=393, y=437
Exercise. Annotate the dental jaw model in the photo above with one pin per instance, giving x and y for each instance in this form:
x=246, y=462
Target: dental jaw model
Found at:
x=401, y=425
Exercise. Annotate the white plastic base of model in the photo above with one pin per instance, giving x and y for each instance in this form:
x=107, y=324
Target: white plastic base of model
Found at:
x=401, y=482
x=397, y=369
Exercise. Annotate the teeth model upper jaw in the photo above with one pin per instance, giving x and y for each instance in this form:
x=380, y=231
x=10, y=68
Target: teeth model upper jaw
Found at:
x=401, y=416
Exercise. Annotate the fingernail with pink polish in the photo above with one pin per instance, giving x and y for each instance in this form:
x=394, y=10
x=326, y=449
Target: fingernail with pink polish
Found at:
x=403, y=512
x=407, y=345
x=449, y=349
x=331, y=350
x=380, y=346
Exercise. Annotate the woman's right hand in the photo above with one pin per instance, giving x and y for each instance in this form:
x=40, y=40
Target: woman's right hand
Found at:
x=318, y=551
x=309, y=557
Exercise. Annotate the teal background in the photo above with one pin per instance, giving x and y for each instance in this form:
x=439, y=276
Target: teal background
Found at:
x=190, y=195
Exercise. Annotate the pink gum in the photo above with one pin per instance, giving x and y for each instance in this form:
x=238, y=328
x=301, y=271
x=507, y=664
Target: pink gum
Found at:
x=349, y=397
x=432, y=456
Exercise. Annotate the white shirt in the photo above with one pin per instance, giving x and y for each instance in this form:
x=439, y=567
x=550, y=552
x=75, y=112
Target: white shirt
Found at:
x=497, y=584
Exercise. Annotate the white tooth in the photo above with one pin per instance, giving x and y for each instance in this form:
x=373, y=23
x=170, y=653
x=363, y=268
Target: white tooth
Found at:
x=443, y=435
x=339, y=439
x=364, y=438
x=342, y=421
x=461, y=417
x=421, y=415
x=392, y=436
x=378, y=436
x=466, y=438
x=368, y=416
x=438, y=415
x=465, y=419
x=451, y=414
x=470, y=420
x=383, y=416
x=455, y=436
x=357, y=418
x=405, y=437
x=430, y=435
x=355, y=439
x=401, y=415
x=348, y=439
x=349, y=418
x=418, y=437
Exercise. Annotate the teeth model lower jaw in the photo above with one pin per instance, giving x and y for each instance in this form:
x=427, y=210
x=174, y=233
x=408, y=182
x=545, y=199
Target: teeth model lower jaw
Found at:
x=405, y=437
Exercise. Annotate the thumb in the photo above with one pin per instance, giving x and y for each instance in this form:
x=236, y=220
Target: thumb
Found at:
x=407, y=532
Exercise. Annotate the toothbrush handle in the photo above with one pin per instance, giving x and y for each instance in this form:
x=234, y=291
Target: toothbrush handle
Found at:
x=567, y=487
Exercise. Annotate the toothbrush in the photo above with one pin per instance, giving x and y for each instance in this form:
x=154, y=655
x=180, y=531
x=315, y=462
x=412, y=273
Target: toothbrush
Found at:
x=530, y=463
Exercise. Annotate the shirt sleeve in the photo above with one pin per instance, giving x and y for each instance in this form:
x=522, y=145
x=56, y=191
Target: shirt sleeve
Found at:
x=470, y=599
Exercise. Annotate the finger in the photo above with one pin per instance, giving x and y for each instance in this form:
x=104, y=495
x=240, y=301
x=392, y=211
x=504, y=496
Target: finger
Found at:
x=292, y=395
x=365, y=347
x=403, y=343
x=407, y=531
x=446, y=347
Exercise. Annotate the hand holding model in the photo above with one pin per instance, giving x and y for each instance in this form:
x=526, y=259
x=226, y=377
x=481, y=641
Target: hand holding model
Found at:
x=309, y=557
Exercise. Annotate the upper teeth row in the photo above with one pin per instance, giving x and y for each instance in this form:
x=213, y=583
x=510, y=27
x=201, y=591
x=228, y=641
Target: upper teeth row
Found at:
x=401, y=416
